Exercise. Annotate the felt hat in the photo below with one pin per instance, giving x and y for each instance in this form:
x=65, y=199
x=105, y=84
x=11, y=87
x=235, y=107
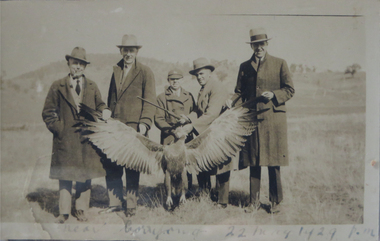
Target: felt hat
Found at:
x=78, y=53
x=129, y=40
x=258, y=35
x=201, y=63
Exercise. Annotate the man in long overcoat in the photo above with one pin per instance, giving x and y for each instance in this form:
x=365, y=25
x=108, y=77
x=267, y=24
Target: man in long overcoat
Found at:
x=129, y=80
x=179, y=101
x=211, y=99
x=269, y=77
x=72, y=160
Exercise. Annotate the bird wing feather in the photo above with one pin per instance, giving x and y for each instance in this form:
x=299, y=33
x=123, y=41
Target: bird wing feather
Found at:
x=221, y=140
x=123, y=145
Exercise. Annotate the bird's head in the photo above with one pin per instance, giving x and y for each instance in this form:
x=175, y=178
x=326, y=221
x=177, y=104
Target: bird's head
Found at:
x=180, y=133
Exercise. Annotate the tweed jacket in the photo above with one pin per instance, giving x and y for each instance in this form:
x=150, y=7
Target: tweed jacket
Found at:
x=268, y=145
x=211, y=100
x=123, y=101
x=72, y=159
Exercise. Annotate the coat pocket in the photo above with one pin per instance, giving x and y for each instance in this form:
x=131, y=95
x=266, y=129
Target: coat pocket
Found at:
x=60, y=129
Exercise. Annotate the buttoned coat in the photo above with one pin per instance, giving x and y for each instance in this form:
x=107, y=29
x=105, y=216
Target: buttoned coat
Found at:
x=72, y=159
x=268, y=145
x=211, y=100
x=123, y=101
x=182, y=104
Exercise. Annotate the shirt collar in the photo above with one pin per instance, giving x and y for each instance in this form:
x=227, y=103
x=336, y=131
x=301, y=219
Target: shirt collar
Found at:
x=74, y=81
x=176, y=92
x=255, y=59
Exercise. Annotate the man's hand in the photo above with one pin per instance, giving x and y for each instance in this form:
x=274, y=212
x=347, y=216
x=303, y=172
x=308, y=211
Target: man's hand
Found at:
x=106, y=114
x=184, y=119
x=182, y=130
x=142, y=129
x=268, y=95
x=188, y=128
x=229, y=103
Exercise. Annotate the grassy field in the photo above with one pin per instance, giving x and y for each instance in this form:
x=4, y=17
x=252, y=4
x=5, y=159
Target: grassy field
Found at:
x=324, y=183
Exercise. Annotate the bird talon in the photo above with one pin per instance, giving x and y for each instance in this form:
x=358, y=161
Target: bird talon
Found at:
x=169, y=201
x=183, y=199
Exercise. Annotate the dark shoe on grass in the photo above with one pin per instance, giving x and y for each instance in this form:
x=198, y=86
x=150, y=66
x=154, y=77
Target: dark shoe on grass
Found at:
x=274, y=208
x=130, y=212
x=80, y=215
x=221, y=205
x=62, y=218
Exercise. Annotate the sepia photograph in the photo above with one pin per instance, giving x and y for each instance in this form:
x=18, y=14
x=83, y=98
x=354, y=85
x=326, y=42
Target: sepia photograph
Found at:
x=200, y=120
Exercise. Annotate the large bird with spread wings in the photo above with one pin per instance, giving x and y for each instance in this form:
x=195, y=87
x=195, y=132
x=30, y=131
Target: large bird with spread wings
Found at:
x=220, y=141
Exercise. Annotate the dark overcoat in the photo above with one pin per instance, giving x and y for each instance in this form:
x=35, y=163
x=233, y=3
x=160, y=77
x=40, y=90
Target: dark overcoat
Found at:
x=72, y=159
x=182, y=104
x=268, y=145
x=123, y=101
x=211, y=100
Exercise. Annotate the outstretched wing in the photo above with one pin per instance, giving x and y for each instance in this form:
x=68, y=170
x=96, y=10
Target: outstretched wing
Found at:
x=221, y=140
x=123, y=145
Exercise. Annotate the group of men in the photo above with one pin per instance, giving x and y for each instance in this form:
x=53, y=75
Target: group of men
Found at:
x=76, y=160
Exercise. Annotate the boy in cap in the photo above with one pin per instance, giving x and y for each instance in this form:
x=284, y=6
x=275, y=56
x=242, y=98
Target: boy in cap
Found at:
x=179, y=101
x=73, y=160
x=269, y=77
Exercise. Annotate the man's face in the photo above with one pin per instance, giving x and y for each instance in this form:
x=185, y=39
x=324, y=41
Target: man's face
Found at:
x=203, y=76
x=76, y=67
x=175, y=83
x=129, y=54
x=260, y=48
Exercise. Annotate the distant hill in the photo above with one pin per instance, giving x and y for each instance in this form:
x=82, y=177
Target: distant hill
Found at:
x=23, y=96
x=328, y=92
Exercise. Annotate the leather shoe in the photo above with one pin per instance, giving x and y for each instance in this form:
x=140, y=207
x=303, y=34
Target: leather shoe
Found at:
x=274, y=208
x=130, y=212
x=80, y=215
x=111, y=209
x=62, y=218
x=221, y=205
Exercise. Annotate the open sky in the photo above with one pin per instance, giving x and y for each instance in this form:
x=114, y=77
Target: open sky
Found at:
x=35, y=33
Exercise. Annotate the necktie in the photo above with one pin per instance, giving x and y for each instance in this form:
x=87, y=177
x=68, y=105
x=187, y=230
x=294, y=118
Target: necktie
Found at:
x=258, y=64
x=77, y=88
x=200, y=92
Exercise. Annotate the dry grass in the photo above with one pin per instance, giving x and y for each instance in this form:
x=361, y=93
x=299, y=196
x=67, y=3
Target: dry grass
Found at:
x=324, y=183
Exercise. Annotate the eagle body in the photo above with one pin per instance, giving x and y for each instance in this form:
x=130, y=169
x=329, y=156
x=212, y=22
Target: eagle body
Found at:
x=174, y=157
x=211, y=148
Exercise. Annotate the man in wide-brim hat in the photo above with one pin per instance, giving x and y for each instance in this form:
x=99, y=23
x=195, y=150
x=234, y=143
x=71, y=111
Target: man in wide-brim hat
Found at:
x=211, y=99
x=72, y=159
x=269, y=77
x=129, y=79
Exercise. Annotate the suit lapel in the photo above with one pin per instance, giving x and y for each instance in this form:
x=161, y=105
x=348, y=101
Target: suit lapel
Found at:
x=203, y=95
x=183, y=97
x=117, y=72
x=87, y=91
x=130, y=78
x=64, y=88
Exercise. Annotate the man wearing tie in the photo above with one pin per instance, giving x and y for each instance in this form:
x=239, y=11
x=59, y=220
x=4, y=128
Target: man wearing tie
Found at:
x=72, y=159
x=130, y=79
x=269, y=78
